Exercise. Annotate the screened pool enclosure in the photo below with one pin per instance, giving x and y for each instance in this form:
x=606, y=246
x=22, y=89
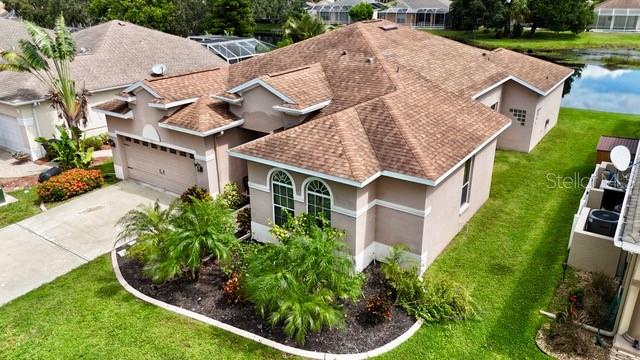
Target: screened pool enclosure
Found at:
x=233, y=49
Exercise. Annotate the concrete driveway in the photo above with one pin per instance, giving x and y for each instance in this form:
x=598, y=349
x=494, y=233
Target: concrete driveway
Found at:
x=43, y=247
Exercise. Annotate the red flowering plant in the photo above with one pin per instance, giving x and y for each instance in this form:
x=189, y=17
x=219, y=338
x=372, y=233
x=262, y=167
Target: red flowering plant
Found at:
x=69, y=184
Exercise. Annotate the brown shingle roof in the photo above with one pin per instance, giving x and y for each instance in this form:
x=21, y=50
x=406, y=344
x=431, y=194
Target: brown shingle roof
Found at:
x=111, y=54
x=203, y=115
x=188, y=85
x=396, y=133
x=114, y=106
x=401, y=100
x=306, y=86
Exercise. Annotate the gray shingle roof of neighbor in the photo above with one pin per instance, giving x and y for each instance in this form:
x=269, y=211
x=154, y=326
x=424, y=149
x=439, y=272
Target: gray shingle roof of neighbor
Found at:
x=619, y=4
x=112, y=54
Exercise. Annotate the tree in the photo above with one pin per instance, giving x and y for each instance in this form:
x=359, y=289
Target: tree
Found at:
x=276, y=11
x=155, y=14
x=573, y=15
x=37, y=56
x=578, y=15
x=304, y=27
x=231, y=16
x=45, y=12
x=466, y=14
x=361, y=11
x=190, y=18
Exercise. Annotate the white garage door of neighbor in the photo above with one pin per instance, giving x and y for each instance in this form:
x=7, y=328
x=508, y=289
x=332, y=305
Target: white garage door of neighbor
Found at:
x=10, y=133
x=166, y=168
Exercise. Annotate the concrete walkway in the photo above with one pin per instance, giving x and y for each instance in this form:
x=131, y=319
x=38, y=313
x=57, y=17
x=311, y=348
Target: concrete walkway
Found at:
x=10, y=168
x=41, y=248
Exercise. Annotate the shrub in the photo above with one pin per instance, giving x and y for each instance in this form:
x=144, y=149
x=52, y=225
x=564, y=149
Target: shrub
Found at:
x=69, y=184
x=231, y=196
x=378, y=308
x=195, y=192
x=243, y=219
x=201, y=228
x=361, y=11
x=96, y=142
x=231, y=289
x=567, y=337
x=239, y=257
x=599, y=294
x=302, y=281
x=176, y=241
x=434, y=300
x=68, y=150
x=150, y=226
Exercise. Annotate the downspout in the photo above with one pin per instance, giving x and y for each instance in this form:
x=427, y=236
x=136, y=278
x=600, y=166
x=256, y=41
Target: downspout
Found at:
x=35, y=118
x=215, y=151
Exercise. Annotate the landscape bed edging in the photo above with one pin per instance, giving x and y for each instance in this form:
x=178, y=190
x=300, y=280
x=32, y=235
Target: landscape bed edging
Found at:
x=251, y=336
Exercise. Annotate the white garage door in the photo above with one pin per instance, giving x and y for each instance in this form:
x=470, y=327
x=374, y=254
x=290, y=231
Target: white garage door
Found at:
x=10, y=134
x=159, y=166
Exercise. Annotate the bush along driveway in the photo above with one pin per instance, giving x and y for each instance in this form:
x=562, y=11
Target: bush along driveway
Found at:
x=509, y=256
x=47, y=245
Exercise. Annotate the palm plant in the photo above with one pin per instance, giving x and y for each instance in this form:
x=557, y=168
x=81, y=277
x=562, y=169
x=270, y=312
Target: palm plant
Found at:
x=48, y=59
x=202, y=228
x=303, y=27
x=300, y=281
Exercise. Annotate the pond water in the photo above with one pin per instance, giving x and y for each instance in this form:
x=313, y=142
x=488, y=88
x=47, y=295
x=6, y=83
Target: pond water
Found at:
x=595, y=86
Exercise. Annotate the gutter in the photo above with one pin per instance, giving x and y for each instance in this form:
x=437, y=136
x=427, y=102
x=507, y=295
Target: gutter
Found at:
x=205, y=133
x=617, y=238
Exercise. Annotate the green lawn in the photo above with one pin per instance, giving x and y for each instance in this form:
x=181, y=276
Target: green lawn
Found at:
x=509, y=256
x=28, y=203
x=546, y=40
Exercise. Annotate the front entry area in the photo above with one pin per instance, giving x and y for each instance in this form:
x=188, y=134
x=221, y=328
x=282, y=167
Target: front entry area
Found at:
x=160, y=166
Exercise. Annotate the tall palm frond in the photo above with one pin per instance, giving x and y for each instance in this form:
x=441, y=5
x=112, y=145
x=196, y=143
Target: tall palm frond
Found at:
x=48, y=59
x=304, y=27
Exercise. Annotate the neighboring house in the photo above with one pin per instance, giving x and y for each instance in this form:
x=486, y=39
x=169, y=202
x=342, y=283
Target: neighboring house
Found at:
x=613, y=247
x=337, y=13
x=388, y=132
x=617, y=16
x=233, y=49
x=110, y=57
x=421, y=14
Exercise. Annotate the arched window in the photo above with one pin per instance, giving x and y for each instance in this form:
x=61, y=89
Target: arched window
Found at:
x=282, y=189
x=318, y=200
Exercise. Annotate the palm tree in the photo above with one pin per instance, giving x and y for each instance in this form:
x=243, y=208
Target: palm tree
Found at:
x=304, y=27
x=48, y=60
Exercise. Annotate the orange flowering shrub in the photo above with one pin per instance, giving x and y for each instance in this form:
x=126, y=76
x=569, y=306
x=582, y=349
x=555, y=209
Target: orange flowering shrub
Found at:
x=69, y=184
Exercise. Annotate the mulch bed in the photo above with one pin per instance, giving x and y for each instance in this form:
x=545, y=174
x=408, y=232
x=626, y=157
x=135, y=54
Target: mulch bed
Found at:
x=206, y=297
x=12, y=184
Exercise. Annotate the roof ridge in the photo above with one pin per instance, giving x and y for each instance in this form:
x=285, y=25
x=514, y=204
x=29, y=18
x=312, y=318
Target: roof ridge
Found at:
x=340, y=127
x=289, y=71
x=182, y=74
x=377, y=54
x=411, y=142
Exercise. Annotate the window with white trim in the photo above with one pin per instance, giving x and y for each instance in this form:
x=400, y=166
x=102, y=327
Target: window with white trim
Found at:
x=282, y=189
x=466, y=182
x=319, y=200
x=518, y=115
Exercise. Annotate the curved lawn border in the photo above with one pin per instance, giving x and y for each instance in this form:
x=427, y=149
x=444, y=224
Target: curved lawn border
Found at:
x=251, y=336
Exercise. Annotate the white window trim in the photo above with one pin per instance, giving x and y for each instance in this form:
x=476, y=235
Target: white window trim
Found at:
x=465, y=205
x=306, y=184
x=273, y=193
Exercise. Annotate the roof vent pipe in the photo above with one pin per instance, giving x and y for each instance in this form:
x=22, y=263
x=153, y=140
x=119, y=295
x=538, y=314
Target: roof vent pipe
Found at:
x=369, y=60
x=344, y=52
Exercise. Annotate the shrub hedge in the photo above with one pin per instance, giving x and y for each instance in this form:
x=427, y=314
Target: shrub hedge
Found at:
x=69, y=184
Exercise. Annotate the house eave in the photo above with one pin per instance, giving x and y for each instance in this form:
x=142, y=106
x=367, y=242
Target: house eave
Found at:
x=202, y=133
